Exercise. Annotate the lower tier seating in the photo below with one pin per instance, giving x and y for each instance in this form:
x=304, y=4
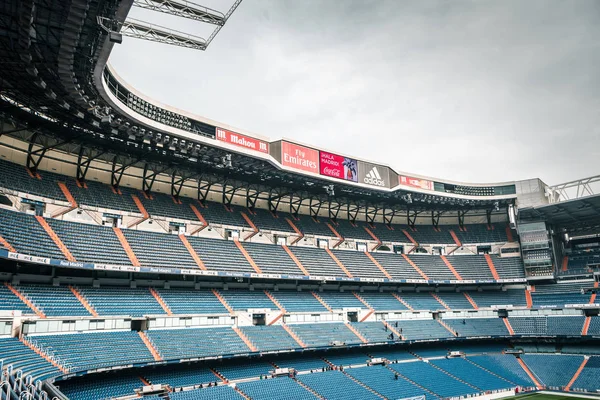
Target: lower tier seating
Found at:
x=381, y=379
x=101, y=387
x=17, y=354
x=432, y=379
x=589, y=379
x=472, y=374
x=208, y=393
x=552, y=370
x=506, y=367
x=276, y=389
x=85, y=351
x=182, y=375
x=335, y=385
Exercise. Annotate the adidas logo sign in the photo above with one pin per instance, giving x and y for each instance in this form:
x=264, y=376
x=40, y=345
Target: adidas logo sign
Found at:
x=373, y=178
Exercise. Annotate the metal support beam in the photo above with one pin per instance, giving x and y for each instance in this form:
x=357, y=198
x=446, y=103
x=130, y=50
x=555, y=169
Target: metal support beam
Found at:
x=184, y=9
x=155, y=33
x=228, y=193
x=295, y=204
x=461, y=217
x=435, y=218
x=203, y=190
x=35, y=156
x=371, y=214
x=118, y=170
x=84, y=159
x=411, y=218
x=149, y=176
x=575, y=189
x=315, y=205
x=274, y=199
x=388, y=216
x=252, y=193
x=178, y=179
x=218, y=28
x=334, y=210
x=352, y=211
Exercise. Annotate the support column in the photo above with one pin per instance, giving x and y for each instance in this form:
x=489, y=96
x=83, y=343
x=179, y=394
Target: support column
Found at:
x=339, y=263
x=577, y=373
x=247, y=256
x=83, y=301
x=7, y=245
x=55, y=238
x=336, y=234
x=150, y=346
x=244, y=338
x=322, y=302
x=125, y=244
x=529, y=373
x=491, y=266
x=296, y=260
x=408, y=260
x=192, y=252
x=378, y=265
x=451, y=268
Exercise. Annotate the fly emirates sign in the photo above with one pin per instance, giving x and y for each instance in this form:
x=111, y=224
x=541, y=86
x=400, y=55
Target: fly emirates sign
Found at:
x=299, y=157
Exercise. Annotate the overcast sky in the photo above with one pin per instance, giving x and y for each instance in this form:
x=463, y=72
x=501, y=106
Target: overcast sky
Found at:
x=474, y=91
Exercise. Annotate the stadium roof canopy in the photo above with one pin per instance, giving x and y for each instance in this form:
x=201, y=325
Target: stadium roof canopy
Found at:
x=576, y=217
x=57, y=93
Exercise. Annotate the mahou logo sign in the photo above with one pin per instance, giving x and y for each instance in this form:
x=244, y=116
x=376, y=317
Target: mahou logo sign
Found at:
x=374, y=175
x=242, y=140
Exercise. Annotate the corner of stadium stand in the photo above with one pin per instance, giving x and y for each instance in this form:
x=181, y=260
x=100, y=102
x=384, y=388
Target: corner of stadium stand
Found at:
x=152, y=253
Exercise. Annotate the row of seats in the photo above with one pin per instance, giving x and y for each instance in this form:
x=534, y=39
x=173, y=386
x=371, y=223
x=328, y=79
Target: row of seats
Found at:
x=102, y=196
x=155, y=249
x=440, y=377
x=561, y=294
x=15, y=353
x=136, y=302
x=102, y=349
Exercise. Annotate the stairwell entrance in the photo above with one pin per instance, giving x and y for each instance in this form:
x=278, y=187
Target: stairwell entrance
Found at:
x=259, y=319
x=139, y=325
x=352, y=316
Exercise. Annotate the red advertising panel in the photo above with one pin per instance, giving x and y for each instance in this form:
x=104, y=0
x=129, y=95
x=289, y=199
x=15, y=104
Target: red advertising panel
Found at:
x=299, y=157
x=338, y=166
x=244, y=141
x=415, y=182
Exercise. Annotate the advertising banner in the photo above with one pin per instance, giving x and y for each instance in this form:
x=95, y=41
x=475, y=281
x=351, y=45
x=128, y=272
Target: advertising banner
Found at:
x=373, y=175
x=415, y=182
x=338, y=166
x=240, y=140
x=299, y=157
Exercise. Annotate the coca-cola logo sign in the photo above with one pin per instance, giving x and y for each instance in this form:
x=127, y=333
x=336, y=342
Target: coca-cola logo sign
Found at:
x=337, y=166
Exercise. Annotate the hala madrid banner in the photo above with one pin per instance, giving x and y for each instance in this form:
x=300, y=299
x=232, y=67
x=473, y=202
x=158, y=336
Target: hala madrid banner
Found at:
x=338, y=166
